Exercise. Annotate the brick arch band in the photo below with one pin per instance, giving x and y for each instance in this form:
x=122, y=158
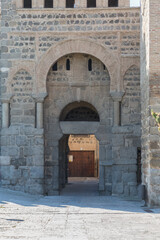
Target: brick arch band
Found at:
x=83, y=46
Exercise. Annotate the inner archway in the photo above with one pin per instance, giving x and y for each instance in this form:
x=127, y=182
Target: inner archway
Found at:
x=78, y=152
x=79, y=111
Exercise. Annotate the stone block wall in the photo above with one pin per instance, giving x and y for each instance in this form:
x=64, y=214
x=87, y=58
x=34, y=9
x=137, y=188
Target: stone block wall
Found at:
x=145, y=92
x=27, y=35
x=125, y=142
x=77, y=20
x=0, y=84
x=126, y=138
x=21, y=161
x=22, y=106
x=131, y=106
x=154, y=85
x=150, y=89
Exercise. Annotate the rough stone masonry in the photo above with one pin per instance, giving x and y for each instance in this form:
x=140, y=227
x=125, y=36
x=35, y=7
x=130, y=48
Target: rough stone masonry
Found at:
x=102, y=45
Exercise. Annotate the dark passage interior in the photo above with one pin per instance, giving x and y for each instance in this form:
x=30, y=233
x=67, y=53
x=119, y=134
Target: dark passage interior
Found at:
x=79, y=162
x=78, y=154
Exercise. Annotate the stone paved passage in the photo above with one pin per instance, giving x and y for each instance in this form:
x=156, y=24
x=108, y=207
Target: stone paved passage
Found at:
x=23, y=216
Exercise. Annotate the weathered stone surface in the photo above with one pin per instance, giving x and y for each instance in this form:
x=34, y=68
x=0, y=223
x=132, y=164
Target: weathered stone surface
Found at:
x=32, y=42
x=155, y=163
x=21, y=141
x=129, y=177
x=122, y=129
x=15, y=174
x=37, y=172
x=79, y=127
x=10, y=151
x=5, y=172
x=118, y=140
x=5, y=160
x=117, y=188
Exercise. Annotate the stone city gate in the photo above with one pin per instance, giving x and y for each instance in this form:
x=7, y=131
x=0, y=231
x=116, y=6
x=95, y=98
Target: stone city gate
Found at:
x=76, y=88
x=70, y=92
x=33, y=159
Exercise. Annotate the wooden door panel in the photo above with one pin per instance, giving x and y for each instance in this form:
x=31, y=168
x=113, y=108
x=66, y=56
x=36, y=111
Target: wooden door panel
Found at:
x=82, y=164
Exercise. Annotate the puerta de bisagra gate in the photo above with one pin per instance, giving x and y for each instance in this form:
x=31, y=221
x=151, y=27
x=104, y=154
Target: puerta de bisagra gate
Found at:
x=60, y=60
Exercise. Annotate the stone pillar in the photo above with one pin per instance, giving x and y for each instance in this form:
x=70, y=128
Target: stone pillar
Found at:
x=5, y=114
x=81, y=3
x=117, y=98
x=124, y=3
x=39, y=109
x=102, y=157
x=102, y=4
x=116, y=112
x=38, y=3
x=39, y=117
x=59, y=3
x=19, y=3
x=101, y=178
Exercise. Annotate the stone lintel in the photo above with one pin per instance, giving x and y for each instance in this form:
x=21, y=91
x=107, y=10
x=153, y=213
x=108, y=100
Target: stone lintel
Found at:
x=117, y=97
x=79, y=127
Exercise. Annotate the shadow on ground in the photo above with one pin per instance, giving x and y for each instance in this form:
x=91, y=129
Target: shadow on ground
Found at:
x=81, y=194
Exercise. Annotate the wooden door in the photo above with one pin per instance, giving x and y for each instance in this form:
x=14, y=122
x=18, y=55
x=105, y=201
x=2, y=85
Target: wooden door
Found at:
x=81, y=163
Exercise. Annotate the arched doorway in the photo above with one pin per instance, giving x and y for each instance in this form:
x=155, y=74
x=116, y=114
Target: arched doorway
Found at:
x=78, y=148
x=78, y=103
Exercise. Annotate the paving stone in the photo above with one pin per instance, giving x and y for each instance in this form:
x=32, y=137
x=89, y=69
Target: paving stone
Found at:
x=75, y=217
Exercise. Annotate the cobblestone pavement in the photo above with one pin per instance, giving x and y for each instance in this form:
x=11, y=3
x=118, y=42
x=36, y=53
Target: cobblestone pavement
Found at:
x=78, y=217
